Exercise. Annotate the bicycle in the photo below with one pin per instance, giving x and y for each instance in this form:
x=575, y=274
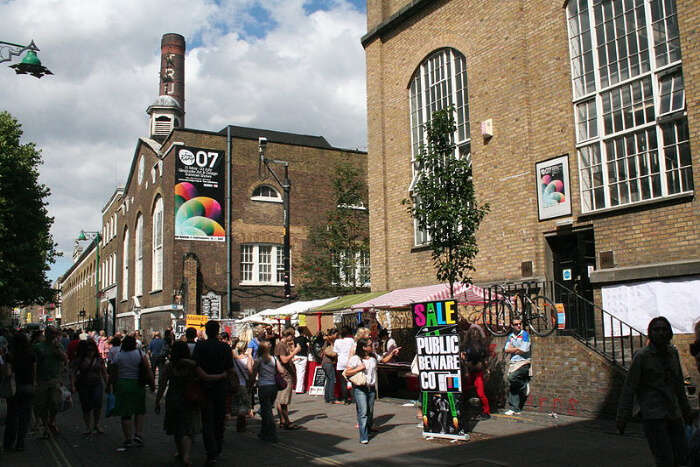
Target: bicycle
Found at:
x=538, y=313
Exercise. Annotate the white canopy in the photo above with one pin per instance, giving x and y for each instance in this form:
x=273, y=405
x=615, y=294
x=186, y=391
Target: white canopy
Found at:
x=256, y=318
x=294, y=308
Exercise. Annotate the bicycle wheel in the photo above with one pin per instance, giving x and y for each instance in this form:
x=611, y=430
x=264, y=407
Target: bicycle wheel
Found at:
x=497, y=315
x=543, y=316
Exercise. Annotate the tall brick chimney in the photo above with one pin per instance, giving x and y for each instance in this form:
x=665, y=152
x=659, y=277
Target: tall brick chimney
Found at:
x=168, y=111
x=172, y=67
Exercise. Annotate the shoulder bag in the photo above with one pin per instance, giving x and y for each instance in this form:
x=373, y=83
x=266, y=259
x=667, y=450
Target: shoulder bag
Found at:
x=279, y=379
x=358, y=379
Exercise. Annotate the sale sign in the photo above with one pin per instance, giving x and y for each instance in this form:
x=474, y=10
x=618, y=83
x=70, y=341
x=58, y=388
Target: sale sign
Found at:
x=439, y=370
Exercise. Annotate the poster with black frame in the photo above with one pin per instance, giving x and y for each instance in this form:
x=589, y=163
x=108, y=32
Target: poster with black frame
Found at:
x=439, y=373
x=553, y=187
x=199, y=194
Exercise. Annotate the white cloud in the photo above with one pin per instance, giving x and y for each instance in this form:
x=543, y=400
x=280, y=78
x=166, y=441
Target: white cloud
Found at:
x=288, y=71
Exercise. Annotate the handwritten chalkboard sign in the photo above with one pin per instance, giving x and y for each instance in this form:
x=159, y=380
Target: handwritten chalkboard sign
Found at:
x=318, y=383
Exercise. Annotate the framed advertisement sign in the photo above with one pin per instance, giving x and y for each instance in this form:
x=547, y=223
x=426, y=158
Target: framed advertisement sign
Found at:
x=199, y=195
x=553, y=187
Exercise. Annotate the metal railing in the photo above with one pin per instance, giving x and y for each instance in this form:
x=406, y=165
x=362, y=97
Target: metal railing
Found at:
x=596, y=328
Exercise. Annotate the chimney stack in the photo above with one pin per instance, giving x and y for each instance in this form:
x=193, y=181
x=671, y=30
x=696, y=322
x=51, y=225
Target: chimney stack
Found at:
x=172, y=67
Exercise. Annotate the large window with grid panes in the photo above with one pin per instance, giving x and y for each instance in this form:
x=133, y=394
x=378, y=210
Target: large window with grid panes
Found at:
x=440, y=81
x=352, y=268
x=629, y=102
x=262, y=264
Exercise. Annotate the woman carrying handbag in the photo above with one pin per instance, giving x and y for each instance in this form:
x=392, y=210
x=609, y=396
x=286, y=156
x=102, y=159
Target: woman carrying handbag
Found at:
x=361, y=371
x=266, y=368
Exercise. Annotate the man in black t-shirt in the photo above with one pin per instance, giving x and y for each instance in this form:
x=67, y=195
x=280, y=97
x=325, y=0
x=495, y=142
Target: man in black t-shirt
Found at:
x=214, y=357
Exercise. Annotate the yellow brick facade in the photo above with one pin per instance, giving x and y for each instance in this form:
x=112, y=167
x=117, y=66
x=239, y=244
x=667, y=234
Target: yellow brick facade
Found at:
x=519, y=76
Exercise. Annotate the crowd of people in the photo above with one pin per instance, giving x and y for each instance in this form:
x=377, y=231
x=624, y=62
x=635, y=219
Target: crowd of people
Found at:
x=210, y=377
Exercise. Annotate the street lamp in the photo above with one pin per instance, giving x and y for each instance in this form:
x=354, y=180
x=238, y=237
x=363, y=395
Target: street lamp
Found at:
x=30, y=64
x=263, y=168
x=82, y=319
x=95, y=238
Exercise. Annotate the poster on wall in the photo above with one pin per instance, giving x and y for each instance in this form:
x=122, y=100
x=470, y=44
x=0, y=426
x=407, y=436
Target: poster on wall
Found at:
x=199, y=194
x=211, y=305
x=437, y=355
x=553, y=188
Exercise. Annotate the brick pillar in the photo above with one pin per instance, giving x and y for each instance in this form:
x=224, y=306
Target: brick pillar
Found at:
x=190, y=274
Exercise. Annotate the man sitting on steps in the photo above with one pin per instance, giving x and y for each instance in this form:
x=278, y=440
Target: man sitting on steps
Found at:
x=518, y=346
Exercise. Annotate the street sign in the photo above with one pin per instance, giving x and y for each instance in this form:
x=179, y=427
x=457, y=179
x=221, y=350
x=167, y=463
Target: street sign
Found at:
x=196, y=321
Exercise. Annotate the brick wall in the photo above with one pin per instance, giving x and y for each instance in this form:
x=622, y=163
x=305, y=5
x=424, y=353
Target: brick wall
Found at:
x=520, y=78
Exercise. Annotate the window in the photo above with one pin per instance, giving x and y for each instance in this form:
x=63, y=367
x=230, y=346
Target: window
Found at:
x=157, y=256
x=138, y=257
x=439, y=82
x=262, y=264
x=626, y=152
x=125, y=266
x=266, y=193
x=352, y=273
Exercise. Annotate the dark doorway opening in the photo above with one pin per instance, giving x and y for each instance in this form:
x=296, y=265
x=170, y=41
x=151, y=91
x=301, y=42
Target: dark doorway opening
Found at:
x=573, y=256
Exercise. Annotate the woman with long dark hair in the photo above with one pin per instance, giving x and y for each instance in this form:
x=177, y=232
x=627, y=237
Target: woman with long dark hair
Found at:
x=475, y=354
x=365, y=360
x=88, y=376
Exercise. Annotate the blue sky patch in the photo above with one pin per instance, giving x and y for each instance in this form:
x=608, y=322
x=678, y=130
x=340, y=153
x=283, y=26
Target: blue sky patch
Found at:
x=311, y=6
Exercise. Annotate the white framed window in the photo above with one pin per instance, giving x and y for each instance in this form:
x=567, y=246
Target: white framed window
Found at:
x=125, y=265
x=266, y=193
x=626, y=73
x=352, y=272
x=439, y=81
x=262, y=264
x=138, y=257
x=157, y=256
x=114, y=268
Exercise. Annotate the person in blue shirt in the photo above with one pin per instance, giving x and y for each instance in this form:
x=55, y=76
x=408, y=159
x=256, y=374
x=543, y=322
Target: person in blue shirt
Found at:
x=518, y=347
x=156, y=354
x=254, y=343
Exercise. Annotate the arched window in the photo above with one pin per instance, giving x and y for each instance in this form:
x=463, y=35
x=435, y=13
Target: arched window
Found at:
x=125, y=266
x=440, y=81
x=266, y=193
x=138, y=257
x=157, y=256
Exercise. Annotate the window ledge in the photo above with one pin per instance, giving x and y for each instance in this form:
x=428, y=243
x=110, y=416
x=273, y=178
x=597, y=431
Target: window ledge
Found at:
x=646, y=204
x=263, y=284
x=419, y=248
x=155, y=291
x=266, y=200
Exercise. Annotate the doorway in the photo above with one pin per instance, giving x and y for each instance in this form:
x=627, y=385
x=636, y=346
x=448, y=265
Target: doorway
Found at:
x=573, y=260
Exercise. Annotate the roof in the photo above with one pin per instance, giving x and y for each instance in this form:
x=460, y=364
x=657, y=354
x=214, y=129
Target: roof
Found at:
x=402, y=298
x=164, y=102
x=411, y=9
x=278, y=137
x=345, y=302
x=86, y=252
x=296, y=307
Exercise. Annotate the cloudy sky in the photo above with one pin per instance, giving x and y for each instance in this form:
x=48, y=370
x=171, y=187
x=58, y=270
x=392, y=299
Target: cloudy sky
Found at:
x=289, y=65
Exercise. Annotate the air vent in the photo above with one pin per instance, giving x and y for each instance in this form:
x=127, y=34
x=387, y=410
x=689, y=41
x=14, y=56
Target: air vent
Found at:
x=607, y=259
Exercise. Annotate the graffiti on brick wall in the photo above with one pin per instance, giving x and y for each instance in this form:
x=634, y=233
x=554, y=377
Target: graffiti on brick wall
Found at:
x=542, y=403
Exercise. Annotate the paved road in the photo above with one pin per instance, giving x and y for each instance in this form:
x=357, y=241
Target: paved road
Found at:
x=329, y=437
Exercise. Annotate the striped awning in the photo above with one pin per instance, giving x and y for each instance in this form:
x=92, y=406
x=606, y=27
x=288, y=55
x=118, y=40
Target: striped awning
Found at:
x=402, y=298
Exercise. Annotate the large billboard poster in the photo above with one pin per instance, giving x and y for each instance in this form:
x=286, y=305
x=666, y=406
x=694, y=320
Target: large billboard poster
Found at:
x=199, y=194
x=439, y=374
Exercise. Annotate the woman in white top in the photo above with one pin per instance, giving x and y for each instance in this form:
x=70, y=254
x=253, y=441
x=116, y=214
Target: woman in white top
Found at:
x=365, y=360
x=342, y=348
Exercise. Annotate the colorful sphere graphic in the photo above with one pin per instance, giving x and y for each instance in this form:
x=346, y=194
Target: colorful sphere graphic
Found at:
x=552, y=191
x=196, y=216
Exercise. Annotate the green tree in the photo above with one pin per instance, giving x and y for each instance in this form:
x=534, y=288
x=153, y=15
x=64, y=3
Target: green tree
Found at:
x=336, y=260
x=26, y=245
x=444, y=203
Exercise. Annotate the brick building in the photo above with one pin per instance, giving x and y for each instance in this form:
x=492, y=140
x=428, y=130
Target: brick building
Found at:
x=582, y=122
x=163, y=250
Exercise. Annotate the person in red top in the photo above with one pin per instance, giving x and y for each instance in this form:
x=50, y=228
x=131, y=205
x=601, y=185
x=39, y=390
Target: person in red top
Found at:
x=72, y=349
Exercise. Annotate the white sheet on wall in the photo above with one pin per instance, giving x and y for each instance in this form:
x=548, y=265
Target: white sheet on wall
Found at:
x=638, y=302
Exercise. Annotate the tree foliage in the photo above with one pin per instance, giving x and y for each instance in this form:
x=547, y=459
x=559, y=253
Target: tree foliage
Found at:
x=444, y=202
x=26, y=245
x=336, y=247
